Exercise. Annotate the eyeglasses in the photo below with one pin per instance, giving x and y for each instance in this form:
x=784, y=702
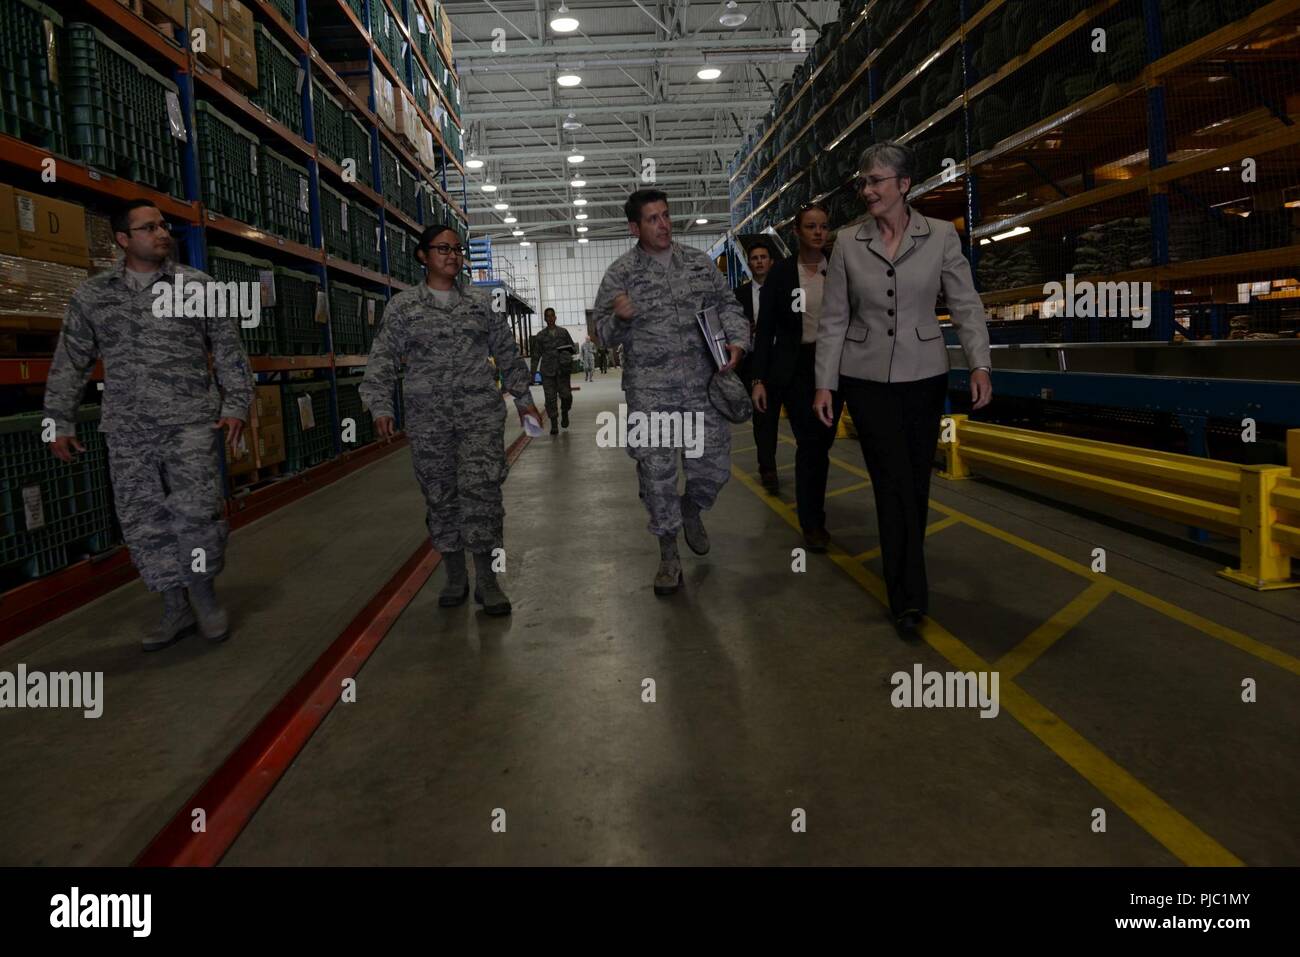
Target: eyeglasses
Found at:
x=151, y=228
x=873, y=181
x=444, y=249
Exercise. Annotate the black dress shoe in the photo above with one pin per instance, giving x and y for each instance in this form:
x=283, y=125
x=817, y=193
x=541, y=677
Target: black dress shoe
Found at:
x=908, y=625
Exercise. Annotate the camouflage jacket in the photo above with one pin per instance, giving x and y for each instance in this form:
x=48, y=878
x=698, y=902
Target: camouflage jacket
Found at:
x=546, y=350
x=446, y=353
x=663, y=346
x=155, y=368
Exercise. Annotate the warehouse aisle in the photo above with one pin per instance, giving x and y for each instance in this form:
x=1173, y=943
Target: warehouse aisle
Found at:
x=95, y=791
x=772, y=697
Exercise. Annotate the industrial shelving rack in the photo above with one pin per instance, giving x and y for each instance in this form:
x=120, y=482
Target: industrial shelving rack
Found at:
x=1029, y=145
x=316, y=34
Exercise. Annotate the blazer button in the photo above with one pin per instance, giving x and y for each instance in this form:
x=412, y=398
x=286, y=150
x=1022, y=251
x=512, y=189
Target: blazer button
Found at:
x=889, y=292
x=891, y=312
x=891, y=332
x=889, y=272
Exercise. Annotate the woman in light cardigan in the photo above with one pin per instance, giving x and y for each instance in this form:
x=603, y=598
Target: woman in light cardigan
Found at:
x=880, y=346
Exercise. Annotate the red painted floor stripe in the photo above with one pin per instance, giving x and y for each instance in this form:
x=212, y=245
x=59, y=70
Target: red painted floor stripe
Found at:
x=232, y=795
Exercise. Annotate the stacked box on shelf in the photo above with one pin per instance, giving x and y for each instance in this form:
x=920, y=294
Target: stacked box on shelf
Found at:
x=286, y=199
x=351, y=407
x=328, y=120
x=363, y=224
x=408, y=195
x=387, y=34
x=288, y=10
x=373, y=314
x=297, y=331
x=278, y=90
x=228, y=166
x=308, y=431
x=388, y=166
x=357, y=143
x=117, y=111
x=52, y=512
x=30, y=106
x=227, y=266
x=402, y=264
x=346, y=319
x=334, y=223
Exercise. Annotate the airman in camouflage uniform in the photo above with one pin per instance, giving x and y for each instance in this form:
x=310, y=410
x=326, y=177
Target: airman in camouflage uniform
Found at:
x=454, y=414
x=647, y=304
x=162, y=415
x=553, y=353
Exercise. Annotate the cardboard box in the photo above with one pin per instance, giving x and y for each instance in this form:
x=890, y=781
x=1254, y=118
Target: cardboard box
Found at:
x=239, y=58
x=8, y=222
x=411, y=124
x=173, y=10
x=240, y=460
x=359, y=82
x=270, y=444
x=267, y=404
x=238, y=20
x=51, y=230
x=211, y=27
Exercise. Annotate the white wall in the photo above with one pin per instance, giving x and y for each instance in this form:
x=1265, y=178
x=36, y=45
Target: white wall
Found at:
x=565, y=275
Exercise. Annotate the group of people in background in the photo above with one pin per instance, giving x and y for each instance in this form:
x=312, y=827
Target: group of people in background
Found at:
x=811, y=333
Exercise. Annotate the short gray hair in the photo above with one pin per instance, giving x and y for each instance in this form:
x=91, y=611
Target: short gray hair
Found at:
x=901, y=159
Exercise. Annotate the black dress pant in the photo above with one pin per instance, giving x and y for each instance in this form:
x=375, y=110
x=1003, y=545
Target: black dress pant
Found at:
x=898, y=426
x=812, y=460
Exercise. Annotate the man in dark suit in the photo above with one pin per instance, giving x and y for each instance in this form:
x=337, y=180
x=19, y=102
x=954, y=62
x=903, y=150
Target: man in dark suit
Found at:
x=784, y=364
x=761, y=256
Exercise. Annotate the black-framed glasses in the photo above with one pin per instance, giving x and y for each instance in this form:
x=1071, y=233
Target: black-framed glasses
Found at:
x=874, y=181
x=151, y=228
x=446, y=249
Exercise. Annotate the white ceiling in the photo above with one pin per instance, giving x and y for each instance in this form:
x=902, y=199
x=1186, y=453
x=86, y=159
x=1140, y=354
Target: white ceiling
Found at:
x=639, y=99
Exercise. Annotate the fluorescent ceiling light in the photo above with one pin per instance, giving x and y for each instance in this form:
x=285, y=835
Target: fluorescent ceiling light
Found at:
x=473, y=164
x=709, y=73
x=582, y=229
x=510, y=219
x=579, y=202
x=1018, y=231
x=578, y=183
x=524, y=242
x=582, y=239
x=516, y=232
x=562, y=22
x=488, y=187
x=700, y=222
x=576, y=157
x=571, y=122
x=501, y=207
x=581, y=216
x=733, y=16
x=568, y=79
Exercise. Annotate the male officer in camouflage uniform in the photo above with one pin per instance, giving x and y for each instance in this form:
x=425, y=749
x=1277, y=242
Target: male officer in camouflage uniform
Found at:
x=553, y=349
x=162, y=415
x=647, y=304
x=445, y=329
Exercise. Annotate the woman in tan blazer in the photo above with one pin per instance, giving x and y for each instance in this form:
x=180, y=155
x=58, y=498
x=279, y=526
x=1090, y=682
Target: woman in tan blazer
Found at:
x=880, y=346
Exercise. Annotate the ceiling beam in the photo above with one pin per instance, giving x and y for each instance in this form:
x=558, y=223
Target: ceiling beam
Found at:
x=775, y=44
x=617, y=109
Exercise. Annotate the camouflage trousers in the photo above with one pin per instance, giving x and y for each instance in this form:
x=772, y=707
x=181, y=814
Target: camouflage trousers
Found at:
x=460, y=470
x=168, y=497
x=657, y=467
x=553, y=385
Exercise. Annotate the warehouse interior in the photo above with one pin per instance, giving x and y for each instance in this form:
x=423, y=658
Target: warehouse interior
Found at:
x=1116, y=536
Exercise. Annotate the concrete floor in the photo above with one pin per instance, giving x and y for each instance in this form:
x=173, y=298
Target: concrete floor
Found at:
x=77, y=791
x=773, y=694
